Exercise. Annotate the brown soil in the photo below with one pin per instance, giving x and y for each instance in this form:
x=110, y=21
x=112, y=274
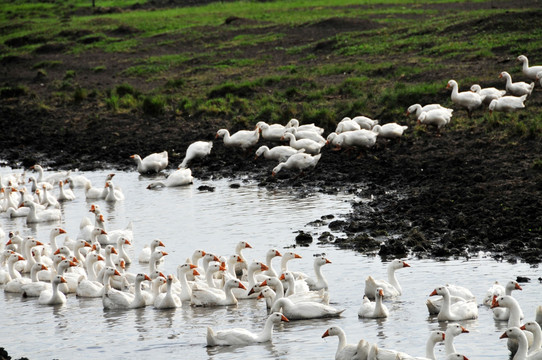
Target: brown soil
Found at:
x=454, y=195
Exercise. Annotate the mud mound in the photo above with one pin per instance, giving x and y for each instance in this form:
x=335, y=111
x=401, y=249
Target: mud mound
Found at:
x=344, y=24
x=500, y=23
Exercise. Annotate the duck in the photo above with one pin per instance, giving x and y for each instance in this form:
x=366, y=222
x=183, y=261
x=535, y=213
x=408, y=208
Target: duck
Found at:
x=167, y=300
x=488, y=94
x=42, y=216
x=55, y=297
x=374, y=310
x=114, y=299
x=522, y=353
x=529, y=71
x=390, y=287
x=466, y=99
x=390, y=130
x=347, y=124
x=452, y=330
x=238, y=336
x=196, y=150
x=204, y=297
x=319, y=282
x=311, y=147
x=461, y=310
x=418, y=109
x=507, y=103
x=305, y=309
x=518, y=88
x=365, y=122
x=244, y=139
x=145, y=254
x=299, y=161
x=344, y=351
x=271, y=132
x=179, y=177
x=278, y=153
x=534, y=328
x=152, y=163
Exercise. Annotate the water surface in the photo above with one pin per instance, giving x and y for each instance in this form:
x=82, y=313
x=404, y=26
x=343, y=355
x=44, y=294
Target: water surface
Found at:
x=186, y=219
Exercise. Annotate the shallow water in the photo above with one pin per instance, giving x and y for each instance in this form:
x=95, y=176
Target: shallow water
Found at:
x=186, y=219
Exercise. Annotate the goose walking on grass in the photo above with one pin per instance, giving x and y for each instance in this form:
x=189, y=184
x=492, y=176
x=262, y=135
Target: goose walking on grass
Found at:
x=518, y=88
x=507, y=103
x=529, y=71
x=488, y=94
x=465, y=99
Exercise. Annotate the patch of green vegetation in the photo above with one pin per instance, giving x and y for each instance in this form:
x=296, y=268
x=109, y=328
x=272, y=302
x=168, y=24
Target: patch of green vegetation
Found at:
x=153, y=105
x=13, y=91
x=69, y=74
x=47, y=64
x=99, y=68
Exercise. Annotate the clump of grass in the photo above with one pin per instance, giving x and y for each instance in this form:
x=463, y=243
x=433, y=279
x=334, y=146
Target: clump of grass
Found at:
x=47, y=64
x=69, y=74
x=13, y=91
x=242, y=90
x=175, y=83
x=153, y=105
x=112, y=102
x=124, y=89
x=79, y=94
x=99, y=68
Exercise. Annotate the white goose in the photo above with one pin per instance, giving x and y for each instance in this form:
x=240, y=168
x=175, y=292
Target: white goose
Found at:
x=294, y=123
x=417, y=109
x=16, y=280
x=344, y=351
x=522, y=352
x=204, y=297
x=529, y=71
x=497, y=289
x=347, y=124
x=518, y=88
x=465, y=99
x=152, y=163
x=320, y=281
x=186, y=288
x=391, y=287
x=390, y=130
x=507, y=104
x=90, y=287
x=65, y=194
x=114, y=194
x=364, y=122
x=42, y=216
x=375, y=353
x=269, y=256
x=306, y=134
x=374, y=310
x=434, y=338
x=298, y=291
x=278, y=153
x=243, y=138
x=534, y=328
x=179, y=177
x=514, y=320
x=452, y=330
x=460, y=310
x=169, y=300
x=238, y=336
x=50, y=178
x=271, y=132
x=275, y=283
x=305, y=310
x=145, y=254
x=487, y=94
x=457, y=293
x=55, y=297
x=356, y=139
x=299, y=161
x=35, y=288
x=311, y=147
x=114, y=299
x=196, y=150
x=539, y=77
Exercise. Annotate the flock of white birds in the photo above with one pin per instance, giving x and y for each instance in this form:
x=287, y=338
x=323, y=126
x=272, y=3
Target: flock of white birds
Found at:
x=93, y=264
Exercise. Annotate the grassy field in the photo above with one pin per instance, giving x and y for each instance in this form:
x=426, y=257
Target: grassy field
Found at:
x=246, y=61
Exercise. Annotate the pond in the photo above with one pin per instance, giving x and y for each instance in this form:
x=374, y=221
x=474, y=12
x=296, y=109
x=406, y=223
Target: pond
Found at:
x=186, y=219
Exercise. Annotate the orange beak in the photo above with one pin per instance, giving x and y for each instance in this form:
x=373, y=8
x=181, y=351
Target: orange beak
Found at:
x=326, y=334
x=284, y=318
x=61, y=231
x=147, y=278
x=247, y=245
x=298, y=256
x=405, y=264
x=252, y=292
x=328, y=262
x=264, y=283
x=117, y=272
x=282, y=277
x=195, y=273
x=264, y=267
x=518, y=287
x=241, y=286
x=277, y=253
x=433, y=293
x=161, y=244
x=192, y=266
x=463, y=330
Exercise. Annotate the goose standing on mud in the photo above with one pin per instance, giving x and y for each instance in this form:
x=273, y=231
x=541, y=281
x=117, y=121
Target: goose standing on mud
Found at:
x=518, y=88
x=196, y=150
x=244, y=139
x=299, y=161
x=152, y=163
